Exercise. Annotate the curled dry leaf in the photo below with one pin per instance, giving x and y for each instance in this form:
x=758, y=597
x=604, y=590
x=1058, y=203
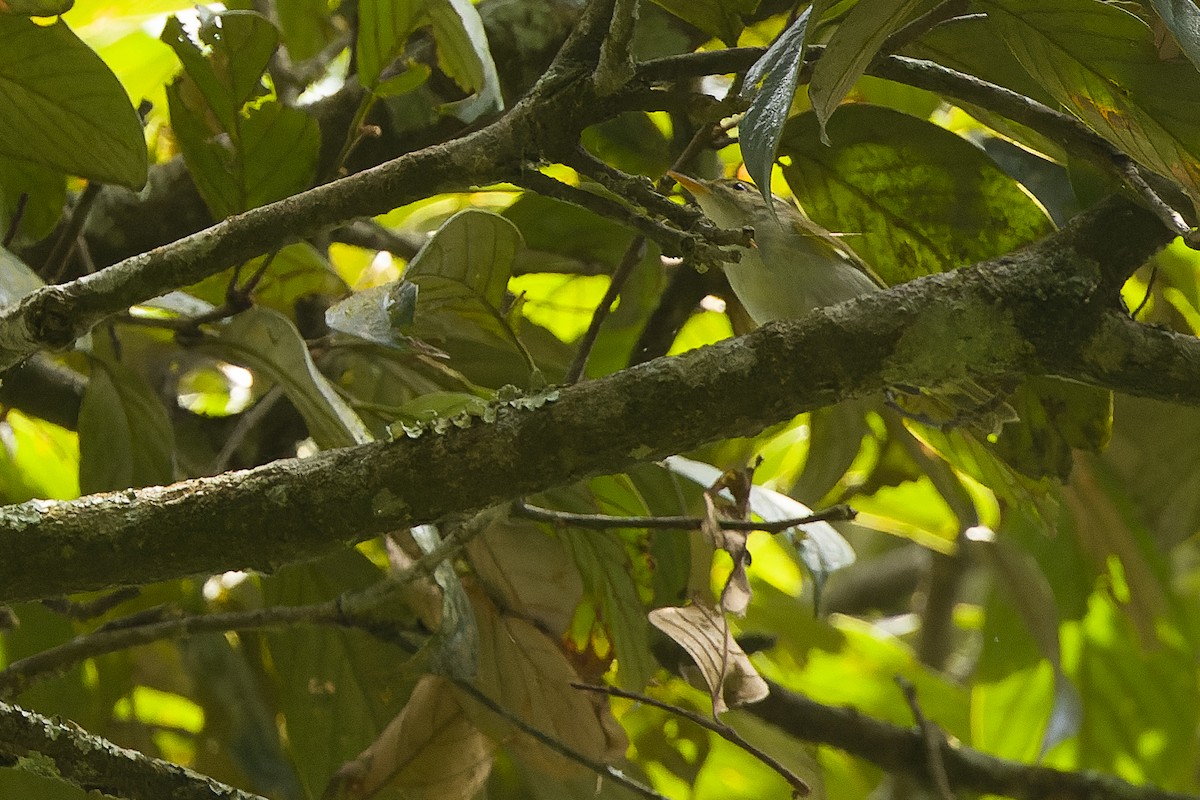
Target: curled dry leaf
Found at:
x=430, y=750
x=526, y=672
x=704, y=633
x=735, y=595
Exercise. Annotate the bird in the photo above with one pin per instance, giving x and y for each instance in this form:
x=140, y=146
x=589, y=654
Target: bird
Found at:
x=795, y=266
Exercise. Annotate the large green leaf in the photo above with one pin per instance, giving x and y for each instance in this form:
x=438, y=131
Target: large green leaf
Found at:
x=125, y=437
x=228, y=62
x=337, y=688
x=463, y=54
x=36, y=8
x=306, y=27
x=61, y=106
x=268, y=343
x=1101, y=63
x=383, y=28
x=913, y=198
x=38, y=192
x=273, y=156
x=853, y=45
x=719, y=18
x=969, y=45
x=462, y=274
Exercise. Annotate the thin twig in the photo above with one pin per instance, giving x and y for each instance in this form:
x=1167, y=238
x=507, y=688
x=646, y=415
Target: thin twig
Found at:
x=1149, y=291
x=838, y=513
x=799, y=786
x=672, y=240
x=923, y=24
x=598, y=767
x=1134, y=179
x=56, y=262
x=633, y=256
x=932, y=737
x=14, y=224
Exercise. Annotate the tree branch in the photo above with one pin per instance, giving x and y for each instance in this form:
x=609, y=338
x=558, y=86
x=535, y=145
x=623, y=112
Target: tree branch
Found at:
x=903, y=751
x=92, y=763
x=1048, y=309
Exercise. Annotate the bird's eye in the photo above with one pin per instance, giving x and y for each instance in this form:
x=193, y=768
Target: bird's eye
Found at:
x=738, y=186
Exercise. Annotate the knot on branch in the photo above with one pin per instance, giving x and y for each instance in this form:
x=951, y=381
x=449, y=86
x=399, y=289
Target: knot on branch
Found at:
x=52, y=317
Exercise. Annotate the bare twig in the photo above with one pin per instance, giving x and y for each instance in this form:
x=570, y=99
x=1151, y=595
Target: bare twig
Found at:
x=948, y=9
x=839, y=513
x=933, y=738
x=14, y=224
x=56, y=262
x=800, y=787
x=672, y=240
x=601, y=769
x=634, y=254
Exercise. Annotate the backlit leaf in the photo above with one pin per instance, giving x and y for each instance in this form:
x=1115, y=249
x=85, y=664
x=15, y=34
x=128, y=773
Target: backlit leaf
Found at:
x=268, y=343
x=61, y=106
x=910, y=197
x=1102, y=64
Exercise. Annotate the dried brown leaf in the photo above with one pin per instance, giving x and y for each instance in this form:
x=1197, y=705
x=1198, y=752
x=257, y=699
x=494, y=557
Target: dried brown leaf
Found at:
x=430, y=750
x=526, y=671
x=726, y=669
x=527, y=571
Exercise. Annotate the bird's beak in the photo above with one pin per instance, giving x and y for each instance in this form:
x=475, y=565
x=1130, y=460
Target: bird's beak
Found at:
x=693, y=185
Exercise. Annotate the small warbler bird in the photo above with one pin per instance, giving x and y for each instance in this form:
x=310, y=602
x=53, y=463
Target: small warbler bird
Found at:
x=794, y=266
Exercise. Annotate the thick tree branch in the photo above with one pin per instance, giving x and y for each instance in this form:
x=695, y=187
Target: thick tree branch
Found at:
x=1047, y=309
x=93, y=763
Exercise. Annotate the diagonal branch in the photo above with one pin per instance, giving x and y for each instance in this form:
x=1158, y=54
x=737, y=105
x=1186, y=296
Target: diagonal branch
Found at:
x=1047, y=310
x=903, y=751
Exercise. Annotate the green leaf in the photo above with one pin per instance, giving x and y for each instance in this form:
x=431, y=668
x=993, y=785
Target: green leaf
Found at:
x=61, y=106
x=274, y=155
x=1033, y=598
x=16, y=279
x=383, y=28
x=604, y=567
x=911, y=197
x=36, y=8
x=239, y=47
x=970, y=45
x=278, y=154
x=1057, y=417
x=463, y=274
x=854, y=43
x=463, y=54
x=719, y=18
x=1101, y=63
x=306, y=27
x=1182, y=19
x=268, y=343
x=760, y=129
x=125, y=437
x=337, y=688
x=44, y=191
x=630, y=142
